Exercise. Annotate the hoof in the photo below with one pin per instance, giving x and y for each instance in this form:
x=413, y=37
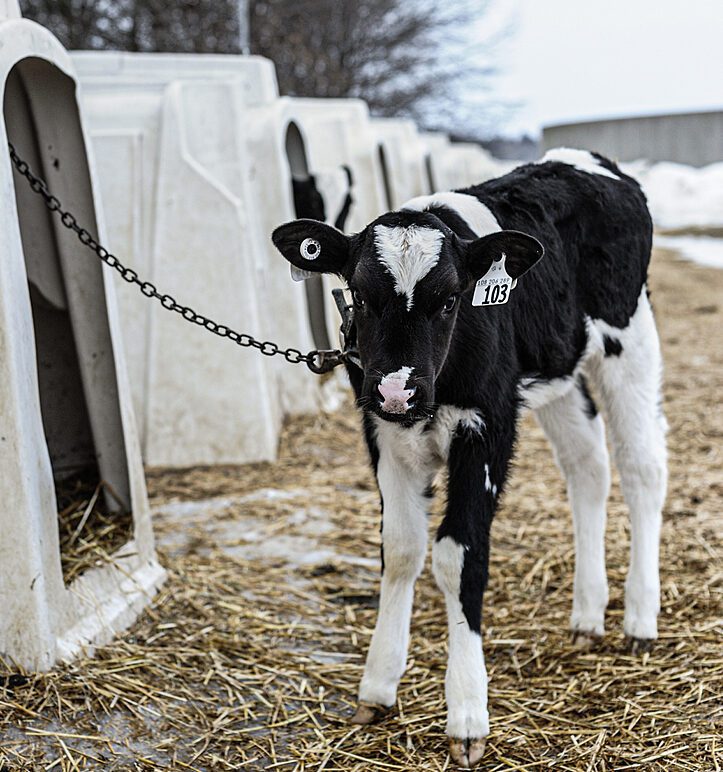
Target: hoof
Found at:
x=466, y=753
x=368, y=713
x=585, y=641
x=639, y=645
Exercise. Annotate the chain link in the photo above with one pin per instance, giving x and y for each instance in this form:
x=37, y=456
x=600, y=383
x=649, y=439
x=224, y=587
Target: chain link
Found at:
x=318, y=361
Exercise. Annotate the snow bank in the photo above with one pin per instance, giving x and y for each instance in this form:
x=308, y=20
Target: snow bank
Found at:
x=681, y=196
x=704, y=250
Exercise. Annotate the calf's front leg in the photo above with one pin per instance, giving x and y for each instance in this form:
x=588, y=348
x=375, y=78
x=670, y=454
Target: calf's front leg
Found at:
x=460, y=559
x=403, y=483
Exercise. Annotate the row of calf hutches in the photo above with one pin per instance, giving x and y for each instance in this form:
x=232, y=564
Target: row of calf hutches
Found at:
x=66, y=419
x=199, y=160
x=188, y=208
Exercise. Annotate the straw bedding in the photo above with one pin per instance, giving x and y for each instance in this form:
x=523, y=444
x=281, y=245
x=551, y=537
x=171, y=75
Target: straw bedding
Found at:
x=88, y=528
x=250, y=656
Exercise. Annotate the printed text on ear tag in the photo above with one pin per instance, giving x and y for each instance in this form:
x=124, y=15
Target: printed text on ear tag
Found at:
x=494, y=288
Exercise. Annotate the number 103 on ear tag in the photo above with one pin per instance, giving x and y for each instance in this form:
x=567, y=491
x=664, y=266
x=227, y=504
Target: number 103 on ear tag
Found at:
x=494, y=288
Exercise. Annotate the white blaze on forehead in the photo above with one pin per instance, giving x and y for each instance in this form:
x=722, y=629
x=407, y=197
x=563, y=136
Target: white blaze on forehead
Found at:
x=478, y=216
x=582, y=160
x=409, y=254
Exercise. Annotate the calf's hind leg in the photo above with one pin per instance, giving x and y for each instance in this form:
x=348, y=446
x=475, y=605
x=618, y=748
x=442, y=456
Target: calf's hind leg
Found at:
x=629, y=385
x=577, y=435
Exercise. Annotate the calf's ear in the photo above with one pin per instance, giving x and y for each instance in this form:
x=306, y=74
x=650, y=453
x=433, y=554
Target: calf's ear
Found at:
x=521, y=252
x=312, y=246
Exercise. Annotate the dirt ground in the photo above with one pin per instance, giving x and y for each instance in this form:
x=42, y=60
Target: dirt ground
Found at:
x=250, y=656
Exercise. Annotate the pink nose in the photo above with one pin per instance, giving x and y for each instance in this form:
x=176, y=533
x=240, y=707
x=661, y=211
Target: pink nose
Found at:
x=396, y=397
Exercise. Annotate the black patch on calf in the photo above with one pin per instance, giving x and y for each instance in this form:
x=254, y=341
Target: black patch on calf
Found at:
x=470, y=506
x=613, y=347
x=590, y=406
x=597, y=234
x=369, y=435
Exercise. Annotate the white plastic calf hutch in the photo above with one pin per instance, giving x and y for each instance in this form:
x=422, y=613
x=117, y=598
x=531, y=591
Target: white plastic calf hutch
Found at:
x=436, y=146
x=402, y=158
x=473, y=164
x=64, y=398
x=331, y=134
x=454, y=165
x=179, y=157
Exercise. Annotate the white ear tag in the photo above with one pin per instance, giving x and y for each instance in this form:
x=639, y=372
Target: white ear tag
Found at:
x=494, y=288
x=298, y=274
x=309, y=249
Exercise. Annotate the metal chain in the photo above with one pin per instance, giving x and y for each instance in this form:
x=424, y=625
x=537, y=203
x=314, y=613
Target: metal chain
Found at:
x=318, y=361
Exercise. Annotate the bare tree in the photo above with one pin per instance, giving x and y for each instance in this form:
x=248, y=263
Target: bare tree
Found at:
x=82, y=23
x=187, y=26
x=410, y=58
x=398, y=55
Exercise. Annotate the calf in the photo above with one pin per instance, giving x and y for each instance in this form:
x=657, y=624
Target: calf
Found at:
x=443, y=380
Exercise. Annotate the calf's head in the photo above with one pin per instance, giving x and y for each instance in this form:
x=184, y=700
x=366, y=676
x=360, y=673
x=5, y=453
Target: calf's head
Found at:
x=407, y=272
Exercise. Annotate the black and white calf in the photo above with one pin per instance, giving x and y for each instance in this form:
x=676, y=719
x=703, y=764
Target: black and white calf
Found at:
x=443, y=381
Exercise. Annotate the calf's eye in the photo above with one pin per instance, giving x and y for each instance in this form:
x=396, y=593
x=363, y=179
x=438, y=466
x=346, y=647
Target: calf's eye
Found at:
x=358, y=299
x=310, y=249
x=449, y=304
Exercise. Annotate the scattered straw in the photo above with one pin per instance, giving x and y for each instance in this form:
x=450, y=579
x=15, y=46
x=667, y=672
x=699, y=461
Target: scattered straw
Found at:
x=90, y=531
x=250, y=656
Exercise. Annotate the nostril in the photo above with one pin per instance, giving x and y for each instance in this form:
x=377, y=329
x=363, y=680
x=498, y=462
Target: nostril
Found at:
x=394, y=391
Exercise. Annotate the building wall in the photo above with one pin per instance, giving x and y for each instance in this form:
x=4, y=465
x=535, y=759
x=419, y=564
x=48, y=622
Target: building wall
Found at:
x=690, y=138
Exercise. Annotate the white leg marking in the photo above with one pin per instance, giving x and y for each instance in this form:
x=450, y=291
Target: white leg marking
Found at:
x=466, y=679
x=403, y=480
x=579, y=446
x=630, y=387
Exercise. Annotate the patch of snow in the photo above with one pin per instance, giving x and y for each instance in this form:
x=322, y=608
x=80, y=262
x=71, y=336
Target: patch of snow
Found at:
x=704, y=250
x=681, y=196
x=218, y=504
x=229, y=524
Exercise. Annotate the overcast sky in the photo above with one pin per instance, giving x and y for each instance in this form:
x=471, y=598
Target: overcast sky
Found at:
x=575, y=59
